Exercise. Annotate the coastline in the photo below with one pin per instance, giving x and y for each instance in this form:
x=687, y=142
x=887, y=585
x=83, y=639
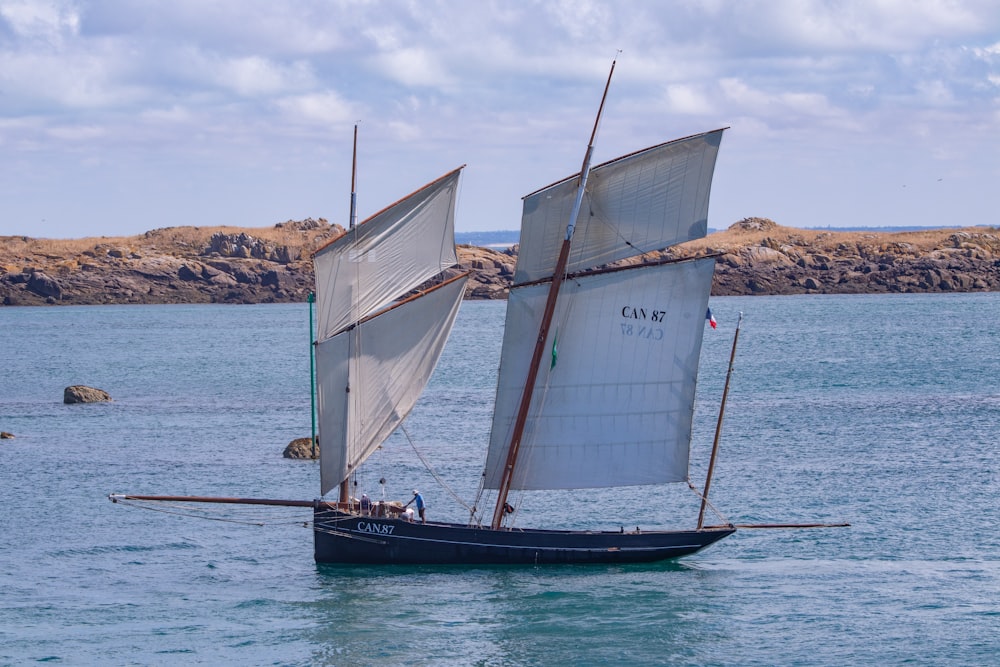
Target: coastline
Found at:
x=272, y=264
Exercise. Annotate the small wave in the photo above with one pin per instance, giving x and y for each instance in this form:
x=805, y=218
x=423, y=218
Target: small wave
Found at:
x=123, y=548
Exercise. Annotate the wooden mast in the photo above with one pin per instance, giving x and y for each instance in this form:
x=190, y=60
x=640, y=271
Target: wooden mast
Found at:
x=345, y=487
x=718, y=427
x=543, y=329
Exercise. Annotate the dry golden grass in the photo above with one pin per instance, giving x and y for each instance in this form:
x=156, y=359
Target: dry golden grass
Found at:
x=201, y=235
x=15, y=250
x=819, y=240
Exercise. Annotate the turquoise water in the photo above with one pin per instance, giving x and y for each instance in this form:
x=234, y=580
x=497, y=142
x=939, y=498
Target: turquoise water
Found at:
x=882, y=411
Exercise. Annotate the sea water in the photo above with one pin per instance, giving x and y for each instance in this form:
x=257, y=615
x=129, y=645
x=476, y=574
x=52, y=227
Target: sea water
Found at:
x=881, y=411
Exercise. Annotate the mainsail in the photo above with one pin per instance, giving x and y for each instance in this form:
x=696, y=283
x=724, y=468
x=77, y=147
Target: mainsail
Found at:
x=614, y=405
x=373, y=356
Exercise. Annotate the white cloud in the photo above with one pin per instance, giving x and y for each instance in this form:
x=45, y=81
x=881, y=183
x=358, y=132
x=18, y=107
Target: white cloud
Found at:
x=413, y=67
x=45, y=21
x=779, y=108
x=37, y=80
x=237, y=26
x=405, y=132
x=859, y=25
x=325, y=108
x=688, y=99
x=582, y=20
x=508, y=87
x=385, y=37
x=77, y=133
x=935, y=93
x=254, y=75
x=173, y=115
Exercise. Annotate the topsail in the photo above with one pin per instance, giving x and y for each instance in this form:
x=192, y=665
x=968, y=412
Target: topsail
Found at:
x=394, y=251
x=648, y=200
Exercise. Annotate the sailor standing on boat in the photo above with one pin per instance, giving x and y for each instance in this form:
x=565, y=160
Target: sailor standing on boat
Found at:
x=420, y=505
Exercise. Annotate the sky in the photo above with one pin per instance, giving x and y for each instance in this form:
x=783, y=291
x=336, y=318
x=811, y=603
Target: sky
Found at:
x=121, y=117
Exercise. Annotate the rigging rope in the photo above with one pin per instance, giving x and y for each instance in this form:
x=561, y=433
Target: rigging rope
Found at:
x=431, y=470
x=326, y=528
x=708, y=503
x=192, y=513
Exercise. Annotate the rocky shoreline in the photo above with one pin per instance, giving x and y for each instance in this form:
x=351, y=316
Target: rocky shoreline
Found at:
x=272, y=265
x=757, y=256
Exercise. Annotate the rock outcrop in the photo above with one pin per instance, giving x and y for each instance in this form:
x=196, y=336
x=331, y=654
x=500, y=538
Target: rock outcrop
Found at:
x=273, y=264
x=79, y=393
x=760, y=258
x=492, y=271
x=301, y=448
x=170, y=265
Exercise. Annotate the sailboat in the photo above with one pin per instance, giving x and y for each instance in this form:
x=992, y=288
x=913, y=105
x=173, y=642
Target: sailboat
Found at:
x=598, y=367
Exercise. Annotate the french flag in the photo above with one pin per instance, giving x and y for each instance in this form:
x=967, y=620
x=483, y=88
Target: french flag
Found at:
x=711, y=318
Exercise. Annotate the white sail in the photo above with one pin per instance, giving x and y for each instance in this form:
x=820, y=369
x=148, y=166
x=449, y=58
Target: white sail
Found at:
x=644, y=201
x=394, y=251
x=614, y=404
x=373, y=358
x=370, y=376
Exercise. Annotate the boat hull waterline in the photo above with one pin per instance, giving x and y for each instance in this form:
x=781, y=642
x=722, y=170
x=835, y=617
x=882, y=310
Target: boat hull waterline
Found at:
x=343, y=537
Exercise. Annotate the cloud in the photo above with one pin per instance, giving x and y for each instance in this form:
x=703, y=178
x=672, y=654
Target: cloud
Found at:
x=55, y=83
x=782, y=109
x=989, y=53
x=77, y=133
x=792, y=26
x=254, y=76
x=237, y=26
x=325, y=108
x=508, y=87
x=413, y=67
x=688, y=99
x=405, y=132
x=175, y=114
x=935, y=93
x=37, y=21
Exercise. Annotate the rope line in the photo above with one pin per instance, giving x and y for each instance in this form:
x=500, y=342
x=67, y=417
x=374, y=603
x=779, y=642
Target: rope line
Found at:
x=192, y=513
x=431, y=470
x=708, y=503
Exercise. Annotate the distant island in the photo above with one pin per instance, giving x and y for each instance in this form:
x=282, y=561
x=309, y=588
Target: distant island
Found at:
x=272, y=264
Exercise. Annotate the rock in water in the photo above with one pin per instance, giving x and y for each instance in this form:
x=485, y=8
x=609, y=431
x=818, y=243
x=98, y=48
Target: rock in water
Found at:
x=301, y=448
x=78, y=393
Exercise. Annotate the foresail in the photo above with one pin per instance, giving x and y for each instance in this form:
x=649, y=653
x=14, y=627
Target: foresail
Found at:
x=614, y=403
x=645, y=201
x=370, y=376
x=386, y=256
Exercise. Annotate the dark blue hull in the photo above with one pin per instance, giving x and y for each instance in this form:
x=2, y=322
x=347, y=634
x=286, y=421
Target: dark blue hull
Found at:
x=343, y=537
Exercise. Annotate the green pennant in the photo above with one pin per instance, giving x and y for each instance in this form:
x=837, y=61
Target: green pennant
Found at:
x=555, y=351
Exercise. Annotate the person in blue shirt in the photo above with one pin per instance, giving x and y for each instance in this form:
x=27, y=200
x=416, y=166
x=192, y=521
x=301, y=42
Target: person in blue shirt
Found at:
x=419, y=499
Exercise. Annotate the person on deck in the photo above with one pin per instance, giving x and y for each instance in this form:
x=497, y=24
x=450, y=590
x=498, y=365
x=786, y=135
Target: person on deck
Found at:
x=420, y=505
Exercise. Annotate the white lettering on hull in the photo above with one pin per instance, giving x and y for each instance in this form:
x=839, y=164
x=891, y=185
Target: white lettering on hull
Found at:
x=377, y=528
